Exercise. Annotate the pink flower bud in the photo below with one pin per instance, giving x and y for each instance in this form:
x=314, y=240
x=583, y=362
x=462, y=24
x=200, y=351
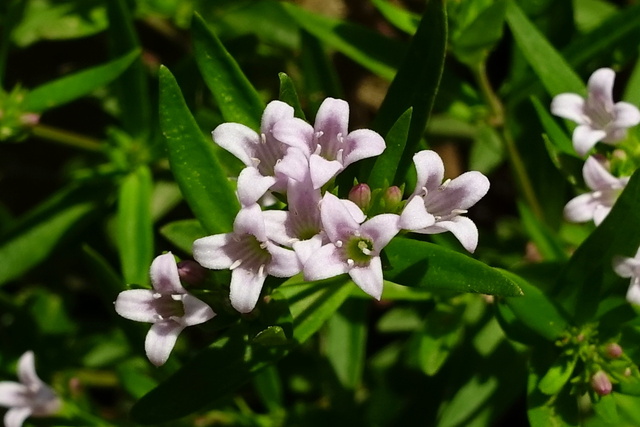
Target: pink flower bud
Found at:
x=392, y=198
x=614, y=350
x=191, y=272
x=361, y=196
x=30, y=119
x=601, y=383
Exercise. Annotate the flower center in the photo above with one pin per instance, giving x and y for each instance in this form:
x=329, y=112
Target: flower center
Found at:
x=358, y=249
x=168, y=305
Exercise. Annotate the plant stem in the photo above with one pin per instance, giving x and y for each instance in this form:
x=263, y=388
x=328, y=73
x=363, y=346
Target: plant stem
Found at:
x=65, y=137
x=498, y=120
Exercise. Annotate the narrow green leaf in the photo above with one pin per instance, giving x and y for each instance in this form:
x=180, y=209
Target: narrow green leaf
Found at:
x=488, y=150
x=33, y=239
x=135, y=226
x=589, y=276
x=385, y=166
x=345, y=341
x=558, y=374
x=183, y=233
x=607, y=410
x=440, y=334
x=320, y=75
x=69, y=88
x=552, y=69
x=556, y=134
x=535, y=310
x=269, y=387
x=235, y=96
x=377, y=53
x=402, y=19
x=134, y=100
x=632, y=89
x=416, y=83
x=13, y=11
x=193, y=162
x=289, y=95
x=473, y=44
x=429, y=266
x=546, y=240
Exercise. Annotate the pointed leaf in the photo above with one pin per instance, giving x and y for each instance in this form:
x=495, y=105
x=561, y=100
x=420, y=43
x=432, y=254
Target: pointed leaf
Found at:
x=386, y=164
x=402, y=19
x=237, y=99
x=183, y=233
x=193, y=161
x=289, y=95
x=558, y=374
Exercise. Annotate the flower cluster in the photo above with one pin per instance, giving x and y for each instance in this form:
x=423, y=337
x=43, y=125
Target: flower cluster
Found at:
x=320, y=234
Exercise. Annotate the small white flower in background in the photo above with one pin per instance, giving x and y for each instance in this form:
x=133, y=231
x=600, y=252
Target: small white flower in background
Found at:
x=630, y=267
x=168, y=306
x=328, y=145
x=437, y=206
x=354, y=246
x=596, y=204
x=29, y=397
x=598, y=118
x=249, y=254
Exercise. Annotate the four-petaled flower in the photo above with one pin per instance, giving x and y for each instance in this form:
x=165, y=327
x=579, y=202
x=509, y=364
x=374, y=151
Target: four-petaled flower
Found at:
x=29, y=397
x=168, y=306
x=354, y=246
x=598, y=118
x=630, y=267
x=328, y=145
x=249, y=253
x=596, y=204
x=436, y=206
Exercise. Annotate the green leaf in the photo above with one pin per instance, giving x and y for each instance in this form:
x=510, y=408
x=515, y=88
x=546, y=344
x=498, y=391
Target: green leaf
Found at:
x=193, y=162
x=69, y=88
x=558, y=374
x=135, y=226
x=546, y=240
x=473, y=43
x=379, y=54
x=33, y=239
x=556, y=134
x=289, y=95
x=183, y=233
x=589, y=276
x=552, y=69
x=345, y=341
x=402, y=19
x=429, y=266
x=487, y=151
x=607, y=410
x=416, y=83
x=535, y=310
x=235, y=96
x=133, y=86
x=385, y=166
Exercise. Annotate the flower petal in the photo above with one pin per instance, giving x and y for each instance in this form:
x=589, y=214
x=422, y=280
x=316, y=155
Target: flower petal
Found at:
x=463, y=228
x=600, y=86
x=369, y=278
x=13, y=394
x=160, y=341
x=584, y=138
x=196, y=311
x=164, y=275
x=633, y=293
x=252, y=185
x=15, y=416
x=211, y=251
x=460, y=193
x=626, y=267
x=414, y=216
x=580, y=208
x=332, y=119
x=249, y=221
x=600, y=213
x=295, y=133
x=275, y=223
x=597, y=177
x=626, y=115
x=294, y=165
x=273, y=113
x=137, y=305
x=322, y=170
x=305, y=249
x=27, y=371
x=569, y=106
x=245, y=288
x=237, y=139
x=430, y=170
x=284, y=262
x=362, y=144
x=326, y=262
x=337, y=221
x=381, y=229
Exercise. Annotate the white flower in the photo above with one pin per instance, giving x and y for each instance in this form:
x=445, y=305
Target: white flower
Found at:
x=29, y=397
x=596, y=204
x=168, y=306
x=249, y=253
x=437, y=207
x=630, y=267
x=598, y=118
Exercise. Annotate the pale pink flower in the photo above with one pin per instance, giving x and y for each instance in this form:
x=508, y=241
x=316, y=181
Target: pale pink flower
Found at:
x=168, y=306
x=630, y=267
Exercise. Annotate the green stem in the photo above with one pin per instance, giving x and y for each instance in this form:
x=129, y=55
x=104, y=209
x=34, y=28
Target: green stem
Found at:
x=65, y=137
x=497, y=120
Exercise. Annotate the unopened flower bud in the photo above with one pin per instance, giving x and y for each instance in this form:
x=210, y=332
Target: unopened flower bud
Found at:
x=191, y=272
x=30, y=119
x=614, y=350
x=601, y=383
x=361, y=196
x=392, y=198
